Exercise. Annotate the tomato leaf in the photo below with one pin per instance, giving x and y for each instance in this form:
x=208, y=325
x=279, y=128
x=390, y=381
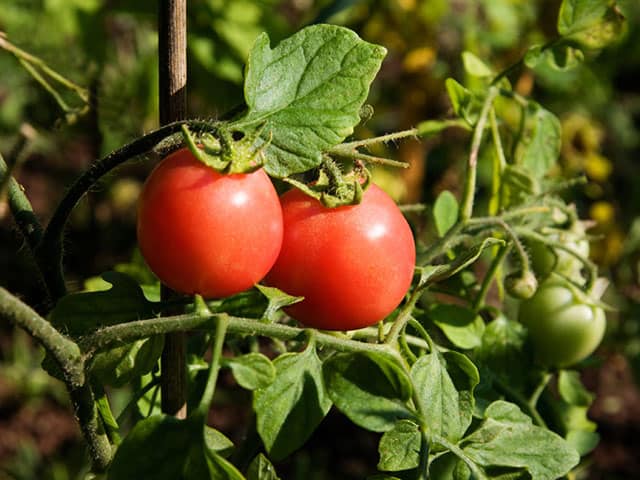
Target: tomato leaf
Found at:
x=277, y=300
x=261, y=469
x=572, y=390
x=82, y=313
x=445, y=212
x=369, y=388
x=399, y=448
x=507, y=438
x=466, y=105
x=446, y=404
x=252, y=371
x=293, y=405
x=592, y=23
x=165, y=448
x=503, y=351
x=119, y=366
x=462, y=326
x=476, y=67
x=540, y=145
x=306, y=93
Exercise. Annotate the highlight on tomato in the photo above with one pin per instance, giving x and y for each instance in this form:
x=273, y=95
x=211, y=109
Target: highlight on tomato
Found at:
x=203, y=232
x=352, y=264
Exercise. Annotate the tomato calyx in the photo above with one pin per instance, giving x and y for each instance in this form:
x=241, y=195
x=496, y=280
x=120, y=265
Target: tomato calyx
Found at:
x=332, y=187
x=227, y=151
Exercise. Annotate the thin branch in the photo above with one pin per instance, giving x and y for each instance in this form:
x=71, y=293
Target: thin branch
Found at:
x=49, y=252
x=68, y=357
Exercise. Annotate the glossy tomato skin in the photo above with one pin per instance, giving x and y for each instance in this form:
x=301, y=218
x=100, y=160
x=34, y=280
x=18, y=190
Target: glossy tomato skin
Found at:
x=208, y=233
x=563, y=328
x=352, y=264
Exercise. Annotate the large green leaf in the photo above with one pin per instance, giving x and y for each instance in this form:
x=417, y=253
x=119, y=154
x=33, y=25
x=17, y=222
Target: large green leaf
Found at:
x=293, y=405
x=305, y=94
x=165, y=448
x=399, y=448
x=446, y=401
x=540, y=147
x=507, y=438
x=369, y=388
x=462, y=326
x=252, y=371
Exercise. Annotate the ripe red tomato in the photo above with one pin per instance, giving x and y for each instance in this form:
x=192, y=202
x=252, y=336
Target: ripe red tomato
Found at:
x=352, y=264
x=208, y=233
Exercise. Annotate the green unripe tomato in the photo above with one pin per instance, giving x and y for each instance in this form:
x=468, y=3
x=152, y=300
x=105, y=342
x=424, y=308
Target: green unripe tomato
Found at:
x=563, y=327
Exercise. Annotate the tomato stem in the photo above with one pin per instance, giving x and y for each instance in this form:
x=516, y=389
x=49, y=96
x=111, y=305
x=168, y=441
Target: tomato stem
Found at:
x=222, y=322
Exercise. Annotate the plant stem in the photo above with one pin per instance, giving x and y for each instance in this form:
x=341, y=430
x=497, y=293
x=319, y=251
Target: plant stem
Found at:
x=466, y=209
x=499, y=163
x=354, y=154
x=21, y=208
x=403, y=317
x=67, y=355
x=124, y=333
x=32, y=60
x=349, y=146
x=535, y=396
x=49, y=251
x=222, y=322
x=477, y=473
x=511, y=233
x=443, y=244
x=488, y=278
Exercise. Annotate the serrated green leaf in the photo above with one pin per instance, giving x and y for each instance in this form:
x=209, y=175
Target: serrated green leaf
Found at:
x=371, y=389
x=592, y=23
x=165, y=448
x=252, y=371
x=307, y=93
x=82, y=313
x=261, y=469
x=508, y=438
x=445, y=212
x=399, y=448
x=541, y=142
x=293, y=405
x=503, y=350
x=446, y=411
x=476, y=67
x=462, y=326
x=120, y=365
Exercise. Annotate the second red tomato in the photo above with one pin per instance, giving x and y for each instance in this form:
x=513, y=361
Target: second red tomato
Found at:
x=353, y=264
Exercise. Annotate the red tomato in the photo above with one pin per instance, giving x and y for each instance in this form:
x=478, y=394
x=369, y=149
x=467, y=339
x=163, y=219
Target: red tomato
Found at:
x=208, y=233
x=353, y=264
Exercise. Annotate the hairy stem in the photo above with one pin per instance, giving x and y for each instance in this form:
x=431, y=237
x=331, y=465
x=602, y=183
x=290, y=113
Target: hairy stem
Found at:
x=222, y=322
x=488, y=278
x=466, y=209
x=127, y=332
x=49, y=251
x=68, y=357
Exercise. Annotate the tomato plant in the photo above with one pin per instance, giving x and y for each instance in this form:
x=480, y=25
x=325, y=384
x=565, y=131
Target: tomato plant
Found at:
x=353, y=265
x=563, y=326
x=448, y=383
x=194, y=229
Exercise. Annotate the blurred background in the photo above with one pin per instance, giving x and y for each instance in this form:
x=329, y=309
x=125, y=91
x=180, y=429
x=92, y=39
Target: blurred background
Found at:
x=109, y=47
